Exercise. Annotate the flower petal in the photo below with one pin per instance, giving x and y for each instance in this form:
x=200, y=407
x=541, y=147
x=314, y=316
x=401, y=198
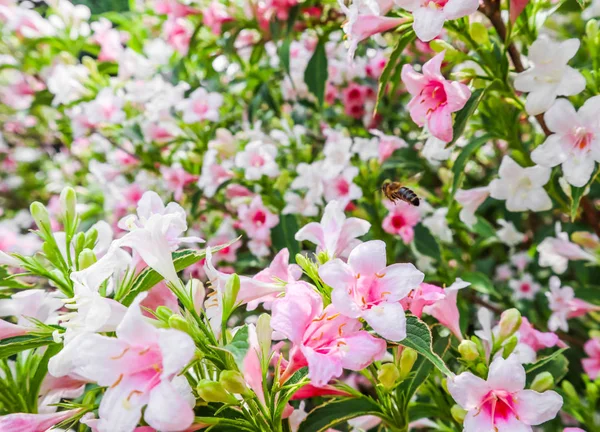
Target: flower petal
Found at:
x=167, y=409
x=535, y=408
x=388, y=320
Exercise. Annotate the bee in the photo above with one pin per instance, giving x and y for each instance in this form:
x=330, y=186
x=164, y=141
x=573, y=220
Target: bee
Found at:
x=394, y=191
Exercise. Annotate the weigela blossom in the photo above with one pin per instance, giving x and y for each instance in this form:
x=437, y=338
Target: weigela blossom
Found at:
x=556, y=252
x=575, y=142
x=366, y=288
x=471, y=200
x=564, y=305
x=434, y=97
x=508, y=233
x=323, y=339
x=522, y=188
x=591, y=365
x=524, y=288
x=401, y=220
x=500, y=402
x=341, y=188
x=201, y=105
x=258, y=159
x=550, y=76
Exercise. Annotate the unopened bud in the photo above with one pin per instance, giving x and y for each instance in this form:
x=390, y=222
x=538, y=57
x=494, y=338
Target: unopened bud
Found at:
x=510, y=321
x=586, y=240
x=40, y=215
x=79, y=241
x=510, y=346
x=439, y=45
x=233, y=382
x=458, y=413
x=481, y=370
x=197, y=292
x=542, y=382
x=592, y=391
x=163, y=313
x=468, y=350
x=90, y=238
x=323, y=257
x=264, y=334
x=232, y=287
x=591, y=29
x=86, y=258
x=479, y=33
x=212, y=391
x=407, y=361
x=68, y=204
x=387, y=375
x=569, y=390
x=179, y=323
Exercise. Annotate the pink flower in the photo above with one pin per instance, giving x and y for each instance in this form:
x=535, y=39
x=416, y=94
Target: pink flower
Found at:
x=178, y=33
x=176, y=178
x=536, y=339
x=214, y=16
x=591, y=365
x=388, y=144
x=445, y=310
x=257, y=220
x=323, y=339
x=524, y=288
x=54, y=389
x=139, y=367
x=471, y=200
x=109, y=40
x=430, y=15
x=258, y=159
x=366, y=288
x=401, y=220
x=376, y=65
x=500, y=403
x=434, y=97
x=334, y=235
x=173, y=8
x=214, y=174
x=424, y=295
x=516, y=7
x=8, y=330
x=353, y=98
x=564, y=305
x=201, y=105
x=342, y=188
x=23, y=422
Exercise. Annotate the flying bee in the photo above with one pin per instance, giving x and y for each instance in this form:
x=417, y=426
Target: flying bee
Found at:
x=394, y=191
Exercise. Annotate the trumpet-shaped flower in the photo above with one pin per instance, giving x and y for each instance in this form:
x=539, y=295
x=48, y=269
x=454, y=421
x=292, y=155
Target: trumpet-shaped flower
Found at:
x=401, y=220
x=524, y=288
x=258, y=159
x=522, y=188
x=445, y=310
x=575, y=143
x=25, y=422
x=550, y=76
x=335, y=234
x=591, y=365
x=139, y=367
x=366, y=288
x=323, y=339
x=564, y=305
x=434, y=97
x=500, y=403
x=556, y=252
x=471, y=200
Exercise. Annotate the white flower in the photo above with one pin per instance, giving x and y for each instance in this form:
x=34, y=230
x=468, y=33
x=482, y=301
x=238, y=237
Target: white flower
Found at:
x=592, y=11
x=66, y=83
x=435, y=151
x=524, y=288
x=555, y=252
x=550, y=76
x=295, y=204
x=258, y=159
x=575, y=142
x=520, y=260
x=310, y=177
x=201, y=105
x=337, y=155
x=366, y=148
x=438, y=225
x=471, y=200
x=522, y=188
x=508, y=234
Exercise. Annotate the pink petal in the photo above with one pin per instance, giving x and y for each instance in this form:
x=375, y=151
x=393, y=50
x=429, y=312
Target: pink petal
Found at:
x=167, y=409
x=506, y=375
x=468, y=390
x=535, y=408
x=368, y=258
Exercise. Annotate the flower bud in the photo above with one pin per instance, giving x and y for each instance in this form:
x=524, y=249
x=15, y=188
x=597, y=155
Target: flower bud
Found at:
x=586, y=240
x=232, y=287
x=212, y=391
x=591, y=29
x=510, y=321
x=510, y=346
x=479, y=33
x=387, y=375
x=407, y=361
x=264, y=334
x=164, y=313
x=68, y=203
x=569, y=390
x=481, y=370
x=458, y=413
x=468, y=350
x=439, y=45
x=86, y=258
x=79, y=242
x=233, y=382
x=41, y=217
x=592, y=391
x=91, y=236
x=542, y=382
x=177, y=322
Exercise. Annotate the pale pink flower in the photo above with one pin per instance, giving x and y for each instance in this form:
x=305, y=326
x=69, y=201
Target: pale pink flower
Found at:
x=176, y=178
x=8, y=330
x=258, y=159
x=521, y=260
x=366, y=288
x=32, y=303
x=591, y=365
x=556, y=252
x=323, y=339
x=430, y=15
x=225, y=234
x=214, y=174
x=107, y=108
x=139, y=367
x=178, y=33
x=173, y=8
x=424, y=295
x=500, y=402
x=25, y=422
x=109, y=40
x=564, y=305
x=256, y=219
x=536, y=339
x=20, y=90
x=335, y=235
x=201, y=105
x=401, y=220
x=471, y=200
x=434, y=97
x=503, y=272
x=445, y=310
x=525, y=287
x=214, y=16
x=575, y=142
x=342, y=188
x=388, y=144
x=376, y=65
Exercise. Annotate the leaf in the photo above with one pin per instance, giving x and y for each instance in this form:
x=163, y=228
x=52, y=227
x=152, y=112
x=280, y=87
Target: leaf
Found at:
x=392, y=63
x=418, y=337
x=556, y=363
x=148, y=277
x=418, y=411
x=14, y=345
x=461, y=162
x=331, y=413
x=462, y=117
x=315, y=74
x=425, y=243
x=578, y=192
x=284, y=54
x=479, y=282
x=283, y=235
x=239, y=345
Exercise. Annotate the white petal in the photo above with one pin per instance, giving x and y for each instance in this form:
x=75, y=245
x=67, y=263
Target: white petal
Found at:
x=578, y=170
x=561, y=117
x=535, y=408
x=572, y=83
x=539, y=101
x=177, y=350
x=167, y=409
x=551, y=152
x=388, y=320
x=428, y=23
x=468, y=390
x=506, y=375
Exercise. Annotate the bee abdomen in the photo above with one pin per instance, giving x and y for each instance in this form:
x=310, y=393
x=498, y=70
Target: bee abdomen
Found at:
x=407, y=195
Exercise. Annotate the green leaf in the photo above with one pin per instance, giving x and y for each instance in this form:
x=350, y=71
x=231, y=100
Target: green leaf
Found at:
x=479, y=282
x=419, y=411
x=392, y=63
x=462, y=117
x=461, y=162
x=418, y=337
x=14, y=345
x=315, y=75
x=426, y=243
x=578, y=192
x=283, y=235
x=239, y=345
x=284, y=54
x=331, y=413
x=148, y=277
x=556, y=363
